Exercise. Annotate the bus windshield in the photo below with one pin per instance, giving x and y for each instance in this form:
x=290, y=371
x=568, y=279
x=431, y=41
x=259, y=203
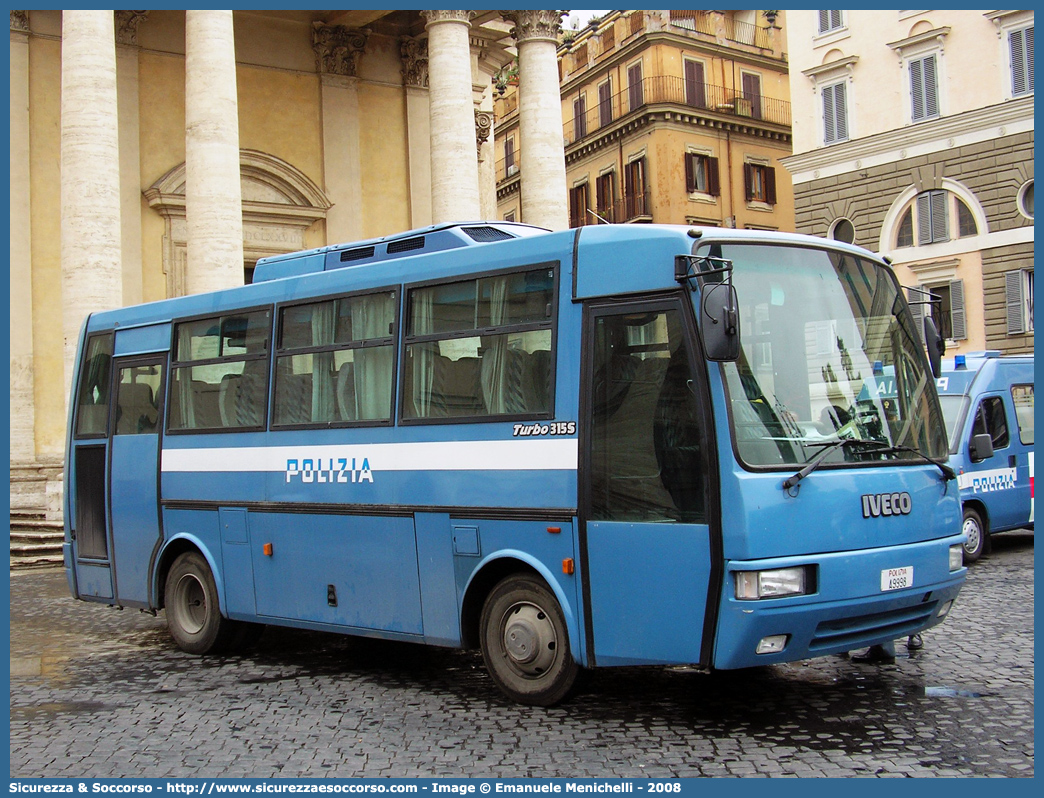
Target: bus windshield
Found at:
x=829, y=352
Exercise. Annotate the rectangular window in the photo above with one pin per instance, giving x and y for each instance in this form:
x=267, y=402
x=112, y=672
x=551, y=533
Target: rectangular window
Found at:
x=759, y=183
x=701, y=174
x=990, y=419
x=580, y=117
x=578, y=205
x=695, y=85
x=835, y=113
x=480, y=348
x=634, y=190
x=1018, y=300
x=219, y=378
x=635, y=89
x=752, y=93
x=830, y=20
x=924, y=88
x=605, y=193
x=1020, y=43
x=509, y=156
x=605, y=103
x=932, y=221
x=947, y=309
x=92, y=402
x=334, y=361
x=1022, y=398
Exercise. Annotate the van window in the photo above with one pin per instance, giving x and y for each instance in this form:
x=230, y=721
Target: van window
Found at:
x=991, y=419
x=1022, y=397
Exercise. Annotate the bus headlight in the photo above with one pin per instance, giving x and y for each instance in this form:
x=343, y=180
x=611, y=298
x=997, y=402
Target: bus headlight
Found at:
x=753, y=585
x=956, y=557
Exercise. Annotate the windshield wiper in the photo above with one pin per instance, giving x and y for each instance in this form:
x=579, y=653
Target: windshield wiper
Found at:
x=947, y=472
x=878, y=447
x=815, y=462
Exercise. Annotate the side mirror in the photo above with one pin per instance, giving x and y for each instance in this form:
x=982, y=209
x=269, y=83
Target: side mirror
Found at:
x=935, y=344
x=980, y=448
x=719, y=322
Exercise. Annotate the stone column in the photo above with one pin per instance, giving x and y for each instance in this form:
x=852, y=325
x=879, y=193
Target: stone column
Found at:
x=127, y=23
x=414, y=53
x=544, y=195
x=337, y=53
x=23, y=425
x=90, y=168
x=454, y=164
x=487, y=172
x=213, y=195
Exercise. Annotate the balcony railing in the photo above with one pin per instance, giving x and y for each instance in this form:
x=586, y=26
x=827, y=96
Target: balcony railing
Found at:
x=730, y=29
x=676, y=90
x=506, y=169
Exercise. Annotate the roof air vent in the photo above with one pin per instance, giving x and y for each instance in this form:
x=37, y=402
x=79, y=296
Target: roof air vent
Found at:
x=357, y=254
x=406, y=245
x=485, y=234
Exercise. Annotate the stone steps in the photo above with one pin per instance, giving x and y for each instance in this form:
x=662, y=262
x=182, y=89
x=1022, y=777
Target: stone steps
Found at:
x=36, y=541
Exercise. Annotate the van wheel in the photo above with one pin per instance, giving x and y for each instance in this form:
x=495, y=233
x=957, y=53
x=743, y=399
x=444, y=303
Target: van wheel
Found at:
x=976, y=532
x=193, y=614
x=525, y=643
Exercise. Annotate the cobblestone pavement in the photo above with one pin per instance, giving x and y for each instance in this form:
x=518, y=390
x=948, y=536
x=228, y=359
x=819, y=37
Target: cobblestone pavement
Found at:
x=100, y=693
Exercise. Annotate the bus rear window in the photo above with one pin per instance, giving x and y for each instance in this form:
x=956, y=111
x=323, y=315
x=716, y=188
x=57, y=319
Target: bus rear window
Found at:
x=92, y=399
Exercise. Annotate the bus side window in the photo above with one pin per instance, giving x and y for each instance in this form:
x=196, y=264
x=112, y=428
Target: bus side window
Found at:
x=1022, y=398
x=137, y=393
x=92, y=411
x=991, y=419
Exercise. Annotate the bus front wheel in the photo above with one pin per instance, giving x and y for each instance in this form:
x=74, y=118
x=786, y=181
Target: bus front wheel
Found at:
x=976, y=533
x=525, y=643
x=193, y=613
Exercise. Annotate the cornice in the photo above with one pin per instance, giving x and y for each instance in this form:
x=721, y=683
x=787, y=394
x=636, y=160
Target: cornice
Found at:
x=940, y=131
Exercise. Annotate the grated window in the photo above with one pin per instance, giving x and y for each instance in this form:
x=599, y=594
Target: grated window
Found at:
x=357, y=254
x=406, y=245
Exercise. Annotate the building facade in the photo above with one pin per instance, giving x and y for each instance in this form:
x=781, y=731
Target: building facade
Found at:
x=159, y=153
x=674, y=117
x=913, y=137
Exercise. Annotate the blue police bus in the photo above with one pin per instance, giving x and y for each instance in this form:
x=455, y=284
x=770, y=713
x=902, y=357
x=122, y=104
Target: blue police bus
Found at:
x=618, y=445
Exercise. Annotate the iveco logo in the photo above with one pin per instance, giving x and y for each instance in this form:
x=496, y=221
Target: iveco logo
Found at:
x=877, y=504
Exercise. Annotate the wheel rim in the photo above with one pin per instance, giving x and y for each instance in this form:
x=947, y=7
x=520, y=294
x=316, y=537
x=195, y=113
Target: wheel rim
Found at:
x=971, y=529
x=191, y=604
x=529, y=639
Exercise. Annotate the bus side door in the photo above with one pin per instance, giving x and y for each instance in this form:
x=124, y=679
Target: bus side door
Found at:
x=133, y=474
x=646, y=544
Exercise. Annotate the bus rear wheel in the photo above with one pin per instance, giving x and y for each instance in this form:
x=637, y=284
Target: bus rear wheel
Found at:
x=193, y=612
x=525, y=642
x=976, y=533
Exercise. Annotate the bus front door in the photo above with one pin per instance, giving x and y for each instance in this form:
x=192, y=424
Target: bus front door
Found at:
x=646, y=541
x=133, y=468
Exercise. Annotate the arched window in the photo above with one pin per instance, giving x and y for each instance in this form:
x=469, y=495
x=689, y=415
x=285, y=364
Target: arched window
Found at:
x=843, y=230
x=933, y=217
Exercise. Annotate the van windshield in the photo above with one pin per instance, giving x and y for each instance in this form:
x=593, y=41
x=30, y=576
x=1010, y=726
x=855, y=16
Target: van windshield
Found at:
x=953, y=406
x=828, y=352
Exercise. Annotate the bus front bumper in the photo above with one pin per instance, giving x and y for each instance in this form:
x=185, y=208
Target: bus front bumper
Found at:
x=849, y=608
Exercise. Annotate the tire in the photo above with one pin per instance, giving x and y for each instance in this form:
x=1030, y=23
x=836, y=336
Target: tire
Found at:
x=192, y=607
x=973, y=527
x=525, y=642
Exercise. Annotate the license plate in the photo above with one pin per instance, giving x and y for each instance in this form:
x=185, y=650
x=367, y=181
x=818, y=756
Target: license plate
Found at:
x=897, y=578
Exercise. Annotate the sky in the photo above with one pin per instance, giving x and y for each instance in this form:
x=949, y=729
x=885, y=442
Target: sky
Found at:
x=577, y=19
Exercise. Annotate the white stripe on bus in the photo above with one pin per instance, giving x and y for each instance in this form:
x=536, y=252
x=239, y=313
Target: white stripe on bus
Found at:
x=513, y=455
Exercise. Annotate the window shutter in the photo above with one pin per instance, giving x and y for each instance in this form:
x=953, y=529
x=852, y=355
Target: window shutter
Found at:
x=1021, y=46
x=824, y=21
x=695, y=95
x=770, y=185
x=957, y=324
x=841, y=111
x=916, y=91
x=931, y=91
x=829, y=115
x=1014, y=302
x=713, y=183
x=748, y=181
x=915, y=298
x=690, y=172
x=924, y=219
x=940, y=226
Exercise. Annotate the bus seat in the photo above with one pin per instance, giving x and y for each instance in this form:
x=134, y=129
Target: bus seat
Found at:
x=250, y=394
x=294, y=398
x=227, y=399
x=536, y=381
x=346, y=392
x=456, y=388
x=136, y=409
x=513, y=366
x=206, y=404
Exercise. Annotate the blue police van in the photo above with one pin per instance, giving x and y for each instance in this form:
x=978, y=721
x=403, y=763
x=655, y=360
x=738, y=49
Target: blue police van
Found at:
x=987, y=401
